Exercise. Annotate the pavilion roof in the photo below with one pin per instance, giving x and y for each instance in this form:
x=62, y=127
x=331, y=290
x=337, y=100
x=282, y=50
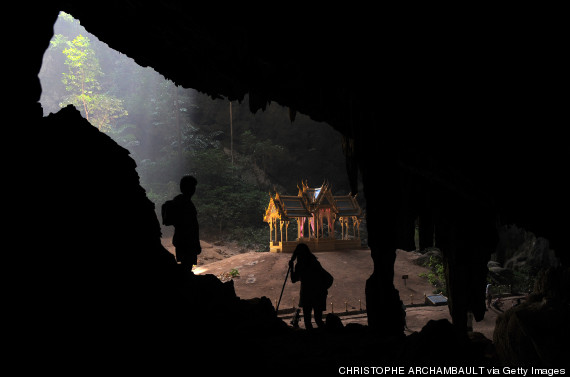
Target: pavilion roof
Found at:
x=292, y=206
x=310, y=200
x=347, y=206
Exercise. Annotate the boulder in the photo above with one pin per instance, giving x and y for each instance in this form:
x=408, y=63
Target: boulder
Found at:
x=535, y=333
x=519, y=250
x=501, y=276
x=492, y=263
x=424, y=259
x=333, y=323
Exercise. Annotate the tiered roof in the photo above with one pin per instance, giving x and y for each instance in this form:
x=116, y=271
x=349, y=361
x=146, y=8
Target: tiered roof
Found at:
x=310, y=200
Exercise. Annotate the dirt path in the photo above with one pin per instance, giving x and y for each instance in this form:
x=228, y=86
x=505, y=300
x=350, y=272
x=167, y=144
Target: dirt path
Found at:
x=211, y=252
x=263, y=274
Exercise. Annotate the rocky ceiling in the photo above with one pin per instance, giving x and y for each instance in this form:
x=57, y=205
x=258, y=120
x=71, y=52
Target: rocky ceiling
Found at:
x=314, y=61
x=474, y=90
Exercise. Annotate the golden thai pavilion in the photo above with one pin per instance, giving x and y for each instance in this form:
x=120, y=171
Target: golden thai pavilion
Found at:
x=316, y=211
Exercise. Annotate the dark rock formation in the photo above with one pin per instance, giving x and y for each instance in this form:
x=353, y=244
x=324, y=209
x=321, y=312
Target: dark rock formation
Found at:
x=107, y=279
x=519, y=250
x=432, y=109
x=500, y=275
x=535, y=333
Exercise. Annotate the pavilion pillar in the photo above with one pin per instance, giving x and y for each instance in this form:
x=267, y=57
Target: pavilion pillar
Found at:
x=316, y=222
x=270, y=230
x=354, y=227
x=275, y=239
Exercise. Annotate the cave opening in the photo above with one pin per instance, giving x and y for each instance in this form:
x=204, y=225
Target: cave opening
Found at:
x=170, y=131
x=238, y=156
x=533, y=213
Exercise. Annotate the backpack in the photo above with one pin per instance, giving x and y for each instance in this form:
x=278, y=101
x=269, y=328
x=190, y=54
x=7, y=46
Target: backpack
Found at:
x=327, y=278
x=169, y=212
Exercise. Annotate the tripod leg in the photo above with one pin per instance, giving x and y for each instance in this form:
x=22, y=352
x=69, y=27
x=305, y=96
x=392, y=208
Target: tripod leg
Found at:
x=282, y=289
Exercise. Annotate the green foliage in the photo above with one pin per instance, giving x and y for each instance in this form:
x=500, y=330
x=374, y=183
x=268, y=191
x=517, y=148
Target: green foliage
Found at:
x=234, y=272
x=58, y=40
x=265, y=153
x=251, y=237
x=67, y=17
x=83, y=70
x=170, y=131
x=106, y=109
x=436, y=276
x=82, y=83
x=224, y=201
x=124, y=136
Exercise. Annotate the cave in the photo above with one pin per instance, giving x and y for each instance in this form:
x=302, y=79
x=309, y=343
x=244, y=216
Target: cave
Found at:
x=453, y=119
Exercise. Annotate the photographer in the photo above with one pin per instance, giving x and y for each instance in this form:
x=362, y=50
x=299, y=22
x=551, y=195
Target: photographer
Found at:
x=315, y=282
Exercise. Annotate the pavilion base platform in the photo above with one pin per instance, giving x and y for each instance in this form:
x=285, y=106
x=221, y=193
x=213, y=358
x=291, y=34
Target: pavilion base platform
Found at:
x=316, y=245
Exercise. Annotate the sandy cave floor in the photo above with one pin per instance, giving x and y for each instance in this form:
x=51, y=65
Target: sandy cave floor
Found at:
x=263, y=274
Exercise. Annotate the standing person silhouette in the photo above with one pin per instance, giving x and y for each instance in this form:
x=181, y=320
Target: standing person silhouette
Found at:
x=315, y=282
x=186, y=237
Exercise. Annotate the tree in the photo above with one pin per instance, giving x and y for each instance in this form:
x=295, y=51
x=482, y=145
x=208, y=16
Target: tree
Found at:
x=81, y=81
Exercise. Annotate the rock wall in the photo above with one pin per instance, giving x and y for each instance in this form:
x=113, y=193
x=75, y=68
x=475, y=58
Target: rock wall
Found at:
x=519, y=249
x=93, y=246
x=535, y=332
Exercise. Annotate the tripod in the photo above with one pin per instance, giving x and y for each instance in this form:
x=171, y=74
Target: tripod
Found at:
x=282, y=289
